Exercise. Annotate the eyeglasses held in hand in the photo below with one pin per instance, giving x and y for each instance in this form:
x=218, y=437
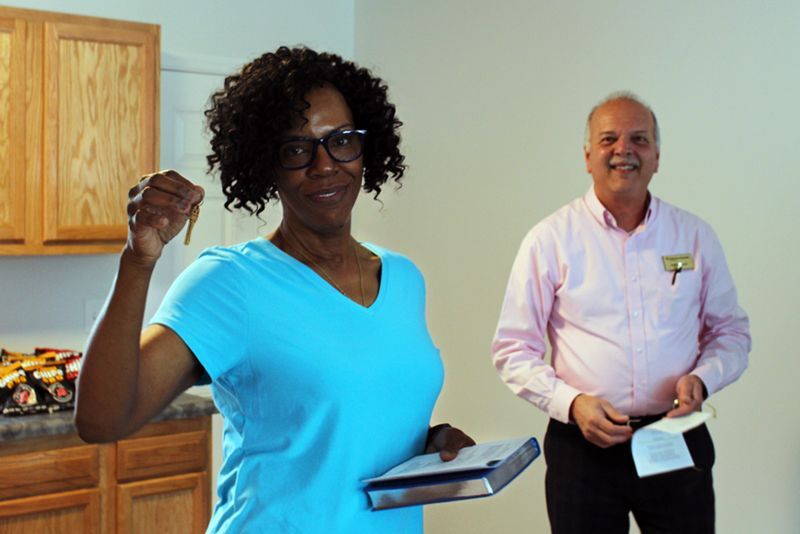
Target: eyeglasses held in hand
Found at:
x=341, y=145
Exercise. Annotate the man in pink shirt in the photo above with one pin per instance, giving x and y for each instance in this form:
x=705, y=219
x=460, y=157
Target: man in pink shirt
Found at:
x=636, y=300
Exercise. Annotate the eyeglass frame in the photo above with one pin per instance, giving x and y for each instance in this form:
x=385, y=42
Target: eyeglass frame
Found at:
x=321, y=141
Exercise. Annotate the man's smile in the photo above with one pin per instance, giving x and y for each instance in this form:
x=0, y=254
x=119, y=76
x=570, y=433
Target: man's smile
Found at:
x=624, y=166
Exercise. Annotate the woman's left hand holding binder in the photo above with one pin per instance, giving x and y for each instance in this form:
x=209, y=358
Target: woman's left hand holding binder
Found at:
x=447, y=441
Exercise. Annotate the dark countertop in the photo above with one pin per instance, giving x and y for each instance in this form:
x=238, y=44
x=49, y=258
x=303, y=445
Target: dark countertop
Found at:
x=12, y=428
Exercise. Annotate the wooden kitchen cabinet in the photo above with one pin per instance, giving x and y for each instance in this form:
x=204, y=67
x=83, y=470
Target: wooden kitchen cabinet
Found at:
x=78, y=126
x=12, y=129
x=172, y=504
x=75, y=511
x=163, y=481
x=155, y=481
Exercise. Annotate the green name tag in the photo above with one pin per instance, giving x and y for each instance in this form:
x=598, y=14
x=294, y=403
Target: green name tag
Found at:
x=678, y=262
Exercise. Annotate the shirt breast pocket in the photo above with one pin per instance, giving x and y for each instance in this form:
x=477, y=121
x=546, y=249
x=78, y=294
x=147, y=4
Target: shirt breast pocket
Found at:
x=679, y=297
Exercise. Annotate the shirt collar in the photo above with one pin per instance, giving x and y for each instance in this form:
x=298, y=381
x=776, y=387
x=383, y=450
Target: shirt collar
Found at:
x=606, y=219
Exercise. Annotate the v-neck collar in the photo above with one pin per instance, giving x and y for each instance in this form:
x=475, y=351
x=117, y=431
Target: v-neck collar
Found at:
x=320, y=281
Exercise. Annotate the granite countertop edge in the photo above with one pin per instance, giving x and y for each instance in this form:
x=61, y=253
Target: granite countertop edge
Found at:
x=186, y=406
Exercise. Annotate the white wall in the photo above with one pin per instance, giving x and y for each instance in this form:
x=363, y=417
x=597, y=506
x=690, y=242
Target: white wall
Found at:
x=494, y=97
x=42, y=299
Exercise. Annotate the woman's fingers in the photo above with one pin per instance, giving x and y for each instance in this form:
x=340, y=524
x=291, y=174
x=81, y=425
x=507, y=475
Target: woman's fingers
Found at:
x=165, y=190
x=158, y=208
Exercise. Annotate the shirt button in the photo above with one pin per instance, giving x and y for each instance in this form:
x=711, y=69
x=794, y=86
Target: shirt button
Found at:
x=636, y=314
x=634, y=278
x=638, y=349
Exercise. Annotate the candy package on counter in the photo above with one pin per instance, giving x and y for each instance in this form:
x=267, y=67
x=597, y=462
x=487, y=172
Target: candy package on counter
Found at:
x=42, y=382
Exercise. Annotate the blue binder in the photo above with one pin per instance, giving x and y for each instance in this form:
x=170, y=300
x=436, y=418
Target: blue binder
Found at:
x=452, y=486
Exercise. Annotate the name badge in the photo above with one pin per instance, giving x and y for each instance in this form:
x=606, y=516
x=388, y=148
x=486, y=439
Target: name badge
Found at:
x=678, y=262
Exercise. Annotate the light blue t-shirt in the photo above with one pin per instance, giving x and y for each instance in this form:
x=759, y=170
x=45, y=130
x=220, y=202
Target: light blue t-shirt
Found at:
x=316, y=391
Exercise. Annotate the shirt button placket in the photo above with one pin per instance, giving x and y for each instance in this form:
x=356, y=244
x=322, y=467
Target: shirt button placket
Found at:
x=636, y=326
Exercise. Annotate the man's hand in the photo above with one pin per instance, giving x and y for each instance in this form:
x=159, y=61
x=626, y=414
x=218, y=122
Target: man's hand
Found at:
x=447, y=441
x=599, y=421
x=689, y=394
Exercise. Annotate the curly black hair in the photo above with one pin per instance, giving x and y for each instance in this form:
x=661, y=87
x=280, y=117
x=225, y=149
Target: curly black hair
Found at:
x=257, y=106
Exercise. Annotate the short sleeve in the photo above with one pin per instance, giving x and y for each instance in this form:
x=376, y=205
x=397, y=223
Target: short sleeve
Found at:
x=206, y=307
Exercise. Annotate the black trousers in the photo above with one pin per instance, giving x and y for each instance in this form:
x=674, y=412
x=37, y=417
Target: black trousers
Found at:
x=592, y=490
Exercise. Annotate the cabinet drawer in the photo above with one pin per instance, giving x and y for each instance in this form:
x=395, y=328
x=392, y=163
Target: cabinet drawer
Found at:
x=162, y=455
x=71, y=511
x=34, y=473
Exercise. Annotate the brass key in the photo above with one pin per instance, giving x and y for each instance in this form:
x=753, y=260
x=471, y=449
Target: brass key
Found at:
x=192, y=220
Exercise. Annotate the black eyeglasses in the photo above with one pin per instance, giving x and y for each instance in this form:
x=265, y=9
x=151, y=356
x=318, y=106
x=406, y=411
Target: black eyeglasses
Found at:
x=341, y=145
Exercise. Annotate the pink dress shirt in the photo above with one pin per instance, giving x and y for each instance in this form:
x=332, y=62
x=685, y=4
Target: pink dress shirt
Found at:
x=618, y=327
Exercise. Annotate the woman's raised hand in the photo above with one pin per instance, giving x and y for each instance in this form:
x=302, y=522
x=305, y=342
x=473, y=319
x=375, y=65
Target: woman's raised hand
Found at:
x=158, y=208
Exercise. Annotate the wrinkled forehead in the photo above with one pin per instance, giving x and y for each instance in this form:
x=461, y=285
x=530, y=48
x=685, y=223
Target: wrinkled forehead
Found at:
x=622, y=115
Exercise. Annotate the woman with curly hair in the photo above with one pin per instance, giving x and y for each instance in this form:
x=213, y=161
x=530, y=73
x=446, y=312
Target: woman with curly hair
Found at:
x=315, y=345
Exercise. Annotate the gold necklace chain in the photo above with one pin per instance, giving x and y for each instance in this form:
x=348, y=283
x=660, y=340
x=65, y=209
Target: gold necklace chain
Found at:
x=307, y=255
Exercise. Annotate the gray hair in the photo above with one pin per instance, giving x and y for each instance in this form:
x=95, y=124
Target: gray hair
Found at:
x=621, y=95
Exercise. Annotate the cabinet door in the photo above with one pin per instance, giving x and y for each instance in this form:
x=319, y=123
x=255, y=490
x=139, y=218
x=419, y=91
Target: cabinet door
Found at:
x=74, y=511
x=100, y=112
x=12, y=130
x=167, y=505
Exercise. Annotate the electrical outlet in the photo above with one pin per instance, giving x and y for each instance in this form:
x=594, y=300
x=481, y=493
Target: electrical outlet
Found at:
x=91, y=310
